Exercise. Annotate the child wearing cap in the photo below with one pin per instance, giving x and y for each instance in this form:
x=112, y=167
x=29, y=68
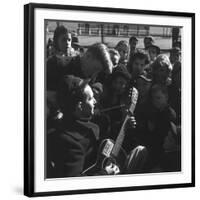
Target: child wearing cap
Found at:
x=153, y=51
x=148, y=40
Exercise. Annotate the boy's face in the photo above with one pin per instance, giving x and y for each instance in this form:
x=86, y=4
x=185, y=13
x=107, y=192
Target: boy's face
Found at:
x=138, y=66
x=89, y=103
x=115, y=60
x=159, y=100
x=152, y=53
x=119, y=84
x=123, y=51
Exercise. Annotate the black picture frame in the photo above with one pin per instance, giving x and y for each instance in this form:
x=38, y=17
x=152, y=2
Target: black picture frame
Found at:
x=29, y=97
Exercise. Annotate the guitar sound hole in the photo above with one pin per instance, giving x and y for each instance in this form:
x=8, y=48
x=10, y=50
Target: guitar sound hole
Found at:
x=107, y=162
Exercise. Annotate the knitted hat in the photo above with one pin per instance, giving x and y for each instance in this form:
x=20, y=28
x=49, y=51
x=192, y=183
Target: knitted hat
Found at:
x=70, y=89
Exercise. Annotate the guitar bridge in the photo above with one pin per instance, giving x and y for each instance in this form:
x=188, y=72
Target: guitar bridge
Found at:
x=107, y=148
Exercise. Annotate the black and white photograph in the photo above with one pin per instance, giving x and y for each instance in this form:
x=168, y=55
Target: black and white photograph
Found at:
x=113, y=98
x=109, y=100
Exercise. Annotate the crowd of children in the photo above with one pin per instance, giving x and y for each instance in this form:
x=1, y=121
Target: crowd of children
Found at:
x=88, y=96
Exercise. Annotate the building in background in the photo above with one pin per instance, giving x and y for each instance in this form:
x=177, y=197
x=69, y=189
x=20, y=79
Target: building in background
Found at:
x=111, y=33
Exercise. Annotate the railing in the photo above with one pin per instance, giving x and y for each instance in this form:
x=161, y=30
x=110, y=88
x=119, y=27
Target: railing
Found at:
x=120, y=32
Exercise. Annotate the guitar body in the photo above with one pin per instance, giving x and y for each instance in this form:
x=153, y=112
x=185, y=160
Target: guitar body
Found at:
x=105, y=157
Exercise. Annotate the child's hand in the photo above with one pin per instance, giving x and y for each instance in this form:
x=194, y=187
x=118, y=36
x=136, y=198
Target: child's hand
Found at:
x=131, y=123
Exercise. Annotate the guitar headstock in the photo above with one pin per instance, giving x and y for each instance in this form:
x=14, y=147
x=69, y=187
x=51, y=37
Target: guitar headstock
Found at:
x=133, y=94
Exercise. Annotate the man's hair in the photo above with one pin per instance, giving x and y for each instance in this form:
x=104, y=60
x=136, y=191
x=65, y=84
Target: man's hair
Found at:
x=139, y=54
x=60, y=30
x=70, y=92
x=100, y=52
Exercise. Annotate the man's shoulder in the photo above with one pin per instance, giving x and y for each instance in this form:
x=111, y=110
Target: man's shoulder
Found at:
x=63, y=137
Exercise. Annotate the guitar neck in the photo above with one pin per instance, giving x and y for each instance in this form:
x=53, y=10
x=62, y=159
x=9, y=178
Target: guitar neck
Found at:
x=120, y=138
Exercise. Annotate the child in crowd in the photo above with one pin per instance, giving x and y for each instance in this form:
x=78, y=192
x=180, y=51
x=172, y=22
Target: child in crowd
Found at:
x=175, y=55
x=137, y=64
x=148, y=40
x=153, y=52
x=161, y=70
x=115, y=57
x=123, y=48
x=116, y=101
x=115, y=93
x=143, y=85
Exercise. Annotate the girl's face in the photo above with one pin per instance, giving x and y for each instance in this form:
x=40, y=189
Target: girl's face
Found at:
x=152, y=53
x=124, y=51
x=115, y=60
x=159, y=100
x=138, y=66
